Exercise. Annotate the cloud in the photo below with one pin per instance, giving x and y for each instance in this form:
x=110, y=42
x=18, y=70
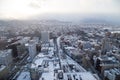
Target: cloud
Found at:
x=27, y=8
x=35, y=4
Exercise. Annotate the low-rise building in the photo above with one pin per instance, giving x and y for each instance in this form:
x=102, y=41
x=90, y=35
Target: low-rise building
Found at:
x=106, y=62
x=112, y=74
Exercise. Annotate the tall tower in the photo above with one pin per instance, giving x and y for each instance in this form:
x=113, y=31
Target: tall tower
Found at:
x=32, y=50
x=45, y=36
x=106, y=46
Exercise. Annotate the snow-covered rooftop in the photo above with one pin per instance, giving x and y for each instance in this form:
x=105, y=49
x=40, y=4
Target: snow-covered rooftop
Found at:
x=2, y=67
x=24, y=76
x=79, y=76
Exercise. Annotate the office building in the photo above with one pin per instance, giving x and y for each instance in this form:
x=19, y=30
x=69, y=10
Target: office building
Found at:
x=32, y=50
x=106, y=46
x=45, y=36
x=106, y=62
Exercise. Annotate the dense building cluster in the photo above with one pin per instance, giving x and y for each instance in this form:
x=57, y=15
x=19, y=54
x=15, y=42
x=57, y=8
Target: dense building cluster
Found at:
x=59, y=51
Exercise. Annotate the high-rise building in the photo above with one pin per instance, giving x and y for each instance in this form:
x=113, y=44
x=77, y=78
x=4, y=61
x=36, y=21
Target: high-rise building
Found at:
x=45, y=36
x=106, y=46
x=6, y=57
x=14, y=50
x=32, y=50
x=21, y=50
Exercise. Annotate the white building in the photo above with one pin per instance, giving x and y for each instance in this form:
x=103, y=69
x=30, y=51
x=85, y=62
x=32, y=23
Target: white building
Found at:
x=45, y=36
x=32, y=50
x=6, y=57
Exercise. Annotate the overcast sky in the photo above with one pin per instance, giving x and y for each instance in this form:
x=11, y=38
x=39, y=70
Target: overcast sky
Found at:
x=25, y=9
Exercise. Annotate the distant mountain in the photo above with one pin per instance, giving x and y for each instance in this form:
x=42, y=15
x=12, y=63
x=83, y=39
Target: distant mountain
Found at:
x=101, y=20
x=95, y=21
x=80, y=18
x=62, y=19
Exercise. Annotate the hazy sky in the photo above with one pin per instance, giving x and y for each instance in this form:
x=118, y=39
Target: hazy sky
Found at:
x=25, y=9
